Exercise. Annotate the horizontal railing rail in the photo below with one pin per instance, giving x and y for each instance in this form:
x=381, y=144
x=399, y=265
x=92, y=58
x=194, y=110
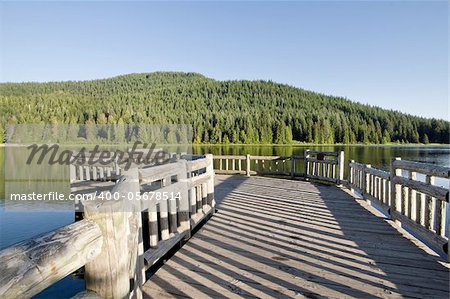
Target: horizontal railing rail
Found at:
x=30, y=266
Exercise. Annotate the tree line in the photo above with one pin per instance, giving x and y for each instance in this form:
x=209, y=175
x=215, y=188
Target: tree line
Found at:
x=248, y=112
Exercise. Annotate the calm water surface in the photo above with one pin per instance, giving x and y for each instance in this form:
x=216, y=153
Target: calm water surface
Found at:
x=18, y=226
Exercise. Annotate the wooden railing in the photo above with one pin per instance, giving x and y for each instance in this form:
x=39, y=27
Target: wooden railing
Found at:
x=87, y=172
x=30, y=266
x=373, y=184
x=255, y=165
x=323, y=166
x=83, y=169
x=118, y=239
x=418, y=205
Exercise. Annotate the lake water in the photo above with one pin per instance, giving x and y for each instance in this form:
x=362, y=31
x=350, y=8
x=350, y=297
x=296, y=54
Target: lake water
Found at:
x=18, y=226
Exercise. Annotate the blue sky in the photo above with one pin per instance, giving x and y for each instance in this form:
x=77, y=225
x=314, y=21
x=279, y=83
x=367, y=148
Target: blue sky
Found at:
x=389, y=54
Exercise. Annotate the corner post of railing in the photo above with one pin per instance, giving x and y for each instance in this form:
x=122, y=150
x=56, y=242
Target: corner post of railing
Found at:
x=121, y=261
x=341, y=161
x=306, y=162
x=247, y=168
x=210, y=185
x=396, y=190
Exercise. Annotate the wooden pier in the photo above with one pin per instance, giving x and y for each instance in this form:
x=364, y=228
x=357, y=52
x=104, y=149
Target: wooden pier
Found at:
x=301, y=231
x=282, y=239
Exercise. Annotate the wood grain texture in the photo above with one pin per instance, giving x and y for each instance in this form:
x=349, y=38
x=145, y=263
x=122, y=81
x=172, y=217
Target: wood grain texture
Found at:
x=31, y=266
x=274, y=238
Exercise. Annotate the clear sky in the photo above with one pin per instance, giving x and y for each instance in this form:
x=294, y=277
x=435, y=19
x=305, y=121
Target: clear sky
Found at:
x=389, y=54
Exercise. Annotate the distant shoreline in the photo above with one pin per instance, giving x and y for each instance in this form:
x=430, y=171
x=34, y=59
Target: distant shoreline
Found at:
x=332, y=144
x=274, y=144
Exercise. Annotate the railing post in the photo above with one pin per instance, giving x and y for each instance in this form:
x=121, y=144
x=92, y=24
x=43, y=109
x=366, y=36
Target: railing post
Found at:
x=292, y=166
x=73, y=173
x=135, y=234
x=121, y=258
x=210, y=185
x=412, y=209
x=396, y=190
x=350, y=176
x=247, y=170
x=428, y=211
x=108, y=275
x=183, y=213
x=341, y=159
x=306, y=163
x=367, y=184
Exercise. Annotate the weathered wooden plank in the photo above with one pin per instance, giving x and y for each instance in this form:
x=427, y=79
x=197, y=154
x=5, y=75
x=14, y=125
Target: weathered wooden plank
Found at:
x=152, y=255
x=230, y=171
x=321, y=162
x=199, y=164
x=439, y=242
x=237, y=157
x=159, y=172
x=425, y=168
x=311, y=152
x=439, y=193
x=31, y=266
x=275, y=235
x=268, y=158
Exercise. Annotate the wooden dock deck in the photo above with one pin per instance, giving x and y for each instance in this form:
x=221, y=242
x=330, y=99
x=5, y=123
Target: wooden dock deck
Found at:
x=285, y=238
x=246, y=236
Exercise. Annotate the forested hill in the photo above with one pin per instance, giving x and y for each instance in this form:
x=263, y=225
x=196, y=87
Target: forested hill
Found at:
x=219, y=111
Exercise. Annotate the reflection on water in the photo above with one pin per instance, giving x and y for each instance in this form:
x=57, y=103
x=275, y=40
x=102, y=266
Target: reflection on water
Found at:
x=17, y=226
x=377, y=156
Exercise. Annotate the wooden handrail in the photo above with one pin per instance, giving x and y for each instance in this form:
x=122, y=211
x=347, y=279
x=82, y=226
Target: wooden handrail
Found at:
x=420, y=206
x=109, y=240
x=425, y=168
x=30, y=266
